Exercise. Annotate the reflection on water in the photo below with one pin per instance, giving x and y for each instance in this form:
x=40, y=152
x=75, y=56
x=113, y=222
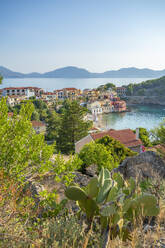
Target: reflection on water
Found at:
x=140, y=116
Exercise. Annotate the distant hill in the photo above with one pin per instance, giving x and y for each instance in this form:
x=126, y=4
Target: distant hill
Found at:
x=149, y=88
x=68, y=72
x=75, y=72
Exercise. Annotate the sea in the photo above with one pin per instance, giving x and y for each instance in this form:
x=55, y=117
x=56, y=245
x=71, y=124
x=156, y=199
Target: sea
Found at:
x=147, y=116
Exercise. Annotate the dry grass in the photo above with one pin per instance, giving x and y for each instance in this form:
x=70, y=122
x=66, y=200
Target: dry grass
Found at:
x=68, y=231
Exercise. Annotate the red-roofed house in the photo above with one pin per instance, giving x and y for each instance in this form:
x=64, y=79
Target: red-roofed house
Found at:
x=10, y=114
x=49, y=96
x=70, y=93
x=126, y=136
x=20, y=91
x=39, y=126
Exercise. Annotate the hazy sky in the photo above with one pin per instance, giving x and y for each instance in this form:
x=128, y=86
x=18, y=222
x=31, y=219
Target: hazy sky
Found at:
x=99, y=35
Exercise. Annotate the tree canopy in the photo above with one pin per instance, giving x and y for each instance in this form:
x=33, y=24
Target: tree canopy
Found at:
x=106, y=152
x=1, y=78
x=158, y=134
x=73, y=126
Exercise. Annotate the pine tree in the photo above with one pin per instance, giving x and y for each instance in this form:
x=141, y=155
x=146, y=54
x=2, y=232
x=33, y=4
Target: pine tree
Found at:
x=1, y=78
x=73, y=127
x=53, y=126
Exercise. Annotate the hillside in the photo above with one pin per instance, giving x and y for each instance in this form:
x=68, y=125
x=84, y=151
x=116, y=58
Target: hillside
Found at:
x=153, y=87
x=148, y=92
x=75, y=72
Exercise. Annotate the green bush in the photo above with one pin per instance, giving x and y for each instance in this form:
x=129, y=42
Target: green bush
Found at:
x=105, y=152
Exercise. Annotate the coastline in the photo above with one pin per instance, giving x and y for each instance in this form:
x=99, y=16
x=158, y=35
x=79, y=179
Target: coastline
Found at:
x=145, y=100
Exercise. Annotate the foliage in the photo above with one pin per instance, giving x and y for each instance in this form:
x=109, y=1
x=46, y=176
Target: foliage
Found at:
x=22, y=151
x=35, y=116
x=118, y=150
x=116, y=202
x=64, y=169
x=53, y=126
x=1, y=78
x=97, y=154
x=158, y=134
x=106, y=87
x=106, y=152
x=23, y=155
x=154, y=87
x=73, y=127
x=144, y=135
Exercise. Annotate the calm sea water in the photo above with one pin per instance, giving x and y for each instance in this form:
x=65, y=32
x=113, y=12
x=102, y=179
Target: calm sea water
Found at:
x=147, y=116
x=140, y=116
x=58, y=83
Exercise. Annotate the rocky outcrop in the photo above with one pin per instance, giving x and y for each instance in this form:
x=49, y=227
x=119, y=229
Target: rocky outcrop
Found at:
x=145, y=165
x=157, y=100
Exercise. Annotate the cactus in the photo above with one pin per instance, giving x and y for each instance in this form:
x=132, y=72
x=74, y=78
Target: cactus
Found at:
x=101, y=177
x=104, y=190
x=107, y=174
x=92, y=188
x=89, y=207
x=119, y=179
x=75, y=193
x=149, y=204
x=112, y=194
x=112, y=199
x=108, y=210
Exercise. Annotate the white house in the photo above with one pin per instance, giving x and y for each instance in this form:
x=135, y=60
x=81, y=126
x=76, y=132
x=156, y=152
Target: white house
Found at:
x=21, y=91
x=95, y=108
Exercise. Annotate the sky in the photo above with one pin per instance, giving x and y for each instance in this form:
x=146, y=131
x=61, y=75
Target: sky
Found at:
x=99, y=35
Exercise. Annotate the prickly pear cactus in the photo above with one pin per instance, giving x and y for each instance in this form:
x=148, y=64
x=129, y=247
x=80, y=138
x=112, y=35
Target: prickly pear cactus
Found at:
x=114, y=201
x=104, y=190
x=93, y=188
x=75, y=193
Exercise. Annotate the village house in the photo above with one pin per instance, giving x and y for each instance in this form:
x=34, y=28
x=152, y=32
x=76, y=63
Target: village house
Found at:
x=91, y=94
x=22, y=91
x=49, y=96
x=95, y=108
x=107, y=94
x=39, y=127
x=10, y=115
x=107, y=107
x=121, y=91
x=68, y=93
x=119, y=106
x=14, y=100
x=126, y=136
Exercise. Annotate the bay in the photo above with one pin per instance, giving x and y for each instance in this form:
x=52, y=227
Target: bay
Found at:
x=140, y=116
x=147, y=116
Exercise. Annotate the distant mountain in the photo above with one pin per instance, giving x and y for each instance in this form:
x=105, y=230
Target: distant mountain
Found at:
x=75, y=72
x=6, y=73
x=68, y=72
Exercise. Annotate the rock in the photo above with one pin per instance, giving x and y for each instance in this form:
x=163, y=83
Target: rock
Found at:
x=145, y=165
x=91, y=170
x=34, y=188
x=157, y=100
x=81, y=179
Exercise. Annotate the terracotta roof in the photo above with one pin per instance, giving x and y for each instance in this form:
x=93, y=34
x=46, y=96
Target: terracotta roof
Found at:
x=94, y=128
x=49, y=93
x=16, y=96
x=21, y=88
x=126, y=136
x=10, y=114
x=37, y=124
x=69, y=89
